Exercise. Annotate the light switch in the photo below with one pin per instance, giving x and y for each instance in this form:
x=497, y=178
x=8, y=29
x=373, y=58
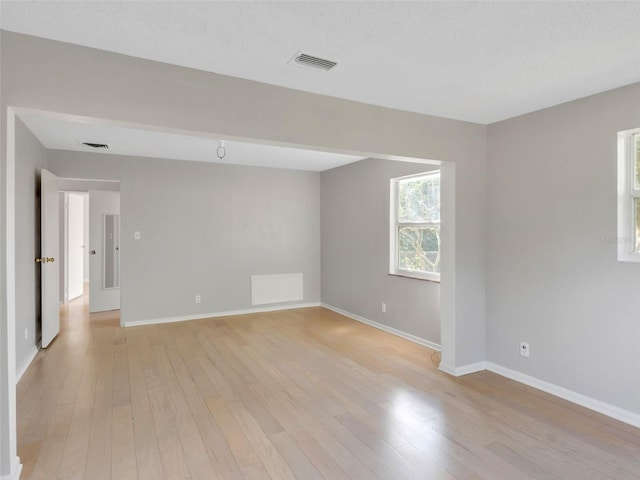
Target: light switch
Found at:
x=136, y=235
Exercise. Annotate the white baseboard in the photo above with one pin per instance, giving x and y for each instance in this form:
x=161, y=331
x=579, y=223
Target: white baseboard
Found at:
x=26, y=362
x=16, y=469
x=230, y=313
x=463, y=370
x=604, y=408
x=626, y=416
x=380, y=326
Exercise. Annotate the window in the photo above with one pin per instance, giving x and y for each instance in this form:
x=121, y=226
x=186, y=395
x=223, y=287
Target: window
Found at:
x=629, y=196
x=415, y=226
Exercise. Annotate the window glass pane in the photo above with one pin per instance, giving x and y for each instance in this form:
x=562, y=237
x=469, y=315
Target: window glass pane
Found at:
x=636, y=139
x=419, y=199
x=637, y=225
x=419, y=248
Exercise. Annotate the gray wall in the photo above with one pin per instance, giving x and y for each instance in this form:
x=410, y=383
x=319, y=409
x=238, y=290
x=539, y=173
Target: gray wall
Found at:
x=355, y=250
x=31, y=157
x=205, y=229
x=553, y=279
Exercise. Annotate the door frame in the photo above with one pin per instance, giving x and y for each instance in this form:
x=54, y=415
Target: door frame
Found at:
x=8, y=441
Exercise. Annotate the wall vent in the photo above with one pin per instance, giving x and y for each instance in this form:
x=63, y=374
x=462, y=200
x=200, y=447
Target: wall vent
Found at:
x=95, y=145
x=306, y=60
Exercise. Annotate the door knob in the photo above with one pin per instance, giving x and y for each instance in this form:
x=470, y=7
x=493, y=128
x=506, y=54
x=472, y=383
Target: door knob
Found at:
x=41, y=260
x=45, y=260
x=92, y=252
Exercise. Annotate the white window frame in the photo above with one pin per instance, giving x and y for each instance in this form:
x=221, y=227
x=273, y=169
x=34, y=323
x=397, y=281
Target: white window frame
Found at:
x=627, y=194
x=394, y=227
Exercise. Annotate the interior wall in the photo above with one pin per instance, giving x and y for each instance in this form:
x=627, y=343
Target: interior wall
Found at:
x=553, y=278
x=31, y=157
x=205, y=229
x=71, y=79
x=355, y=250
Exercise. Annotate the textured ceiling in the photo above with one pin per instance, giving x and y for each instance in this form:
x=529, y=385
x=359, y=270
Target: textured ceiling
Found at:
x=475, y=61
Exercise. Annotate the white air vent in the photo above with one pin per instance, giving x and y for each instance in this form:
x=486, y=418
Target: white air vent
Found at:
x=306, y=60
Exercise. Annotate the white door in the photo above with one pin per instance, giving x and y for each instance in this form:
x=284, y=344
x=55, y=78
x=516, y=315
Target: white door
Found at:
x=104, y=251
x=49, y=248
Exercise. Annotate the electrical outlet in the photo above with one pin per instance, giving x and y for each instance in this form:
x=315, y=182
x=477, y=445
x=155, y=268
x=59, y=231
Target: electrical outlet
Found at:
x=384, y=308
x=26, y=334
x=198, y=299
x=524, y=349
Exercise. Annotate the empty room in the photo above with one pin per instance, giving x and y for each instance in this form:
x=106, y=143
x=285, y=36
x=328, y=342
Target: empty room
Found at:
x=319, y=240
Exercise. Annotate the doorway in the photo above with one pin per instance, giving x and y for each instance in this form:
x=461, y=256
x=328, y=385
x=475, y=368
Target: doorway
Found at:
x=64, y=234
x=90, y=243
x=74, y=276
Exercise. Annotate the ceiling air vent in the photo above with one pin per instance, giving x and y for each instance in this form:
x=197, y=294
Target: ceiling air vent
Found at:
x=306, y=60
x=95, y=145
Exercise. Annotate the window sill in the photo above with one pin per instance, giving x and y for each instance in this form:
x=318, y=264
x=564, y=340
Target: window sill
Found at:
x=629, y=257
x=414, y=277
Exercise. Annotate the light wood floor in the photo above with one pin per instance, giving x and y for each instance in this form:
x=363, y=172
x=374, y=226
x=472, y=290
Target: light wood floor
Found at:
x=302, y=394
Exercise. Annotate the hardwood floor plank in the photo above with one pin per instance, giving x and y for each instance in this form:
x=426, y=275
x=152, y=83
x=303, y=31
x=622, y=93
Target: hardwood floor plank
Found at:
x=255, y=472
x=123, y=449
x=121, y=388
x=272, y=461
x=379, y=445
x=75, y=452
x=305, y=394
x=198, y=460
x=139, y=395
x=99, y=448
x=148, y=462
x=174, y=464
x=236, y=439
x=74, y=456
x=50, y=455
x=534, y=470
x=318, y=453
x=213, y=439
x=432, y=469
x=295, y=458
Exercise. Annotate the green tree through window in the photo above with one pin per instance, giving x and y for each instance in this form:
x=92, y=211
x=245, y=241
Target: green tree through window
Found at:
x=629, y=196
x=417, y=224
x=637, y=162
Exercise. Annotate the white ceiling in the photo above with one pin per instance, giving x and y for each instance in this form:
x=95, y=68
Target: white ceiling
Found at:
x=475, y=61
x=66, y=134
